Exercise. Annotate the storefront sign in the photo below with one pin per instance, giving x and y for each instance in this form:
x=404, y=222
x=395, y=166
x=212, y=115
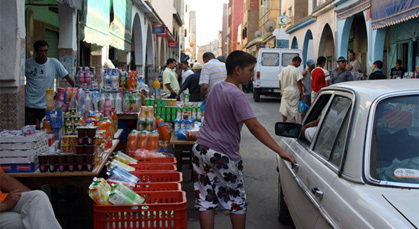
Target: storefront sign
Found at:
x=280, y=43
x=158, y=29
x=262, y=45
x=283, y=20
x=164, y=34
x=172, y=44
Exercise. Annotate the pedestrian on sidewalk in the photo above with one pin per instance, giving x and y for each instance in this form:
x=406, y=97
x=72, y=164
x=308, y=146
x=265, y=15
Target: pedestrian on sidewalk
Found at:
x=319, y=78
x=217, y=163
x=340, y=74
x=192, y=84
x=213, y=71
x=376, y=73
x=186, y=72
x=22, y=208
x=290, y=83
x=170, y=78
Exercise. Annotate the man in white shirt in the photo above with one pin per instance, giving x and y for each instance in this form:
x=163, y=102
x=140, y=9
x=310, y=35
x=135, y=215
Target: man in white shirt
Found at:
x=291, y=90
x=212, y=72
x=186, y=71
x=354, y=64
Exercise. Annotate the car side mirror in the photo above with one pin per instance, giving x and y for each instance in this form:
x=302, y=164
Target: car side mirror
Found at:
x=288, y=129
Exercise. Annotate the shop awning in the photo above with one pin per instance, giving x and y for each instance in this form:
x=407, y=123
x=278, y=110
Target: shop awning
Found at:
x=95, y=22
x=353, y=9
x=253, y=42
x=120, y=29
x=390, y=12
x=75, y=4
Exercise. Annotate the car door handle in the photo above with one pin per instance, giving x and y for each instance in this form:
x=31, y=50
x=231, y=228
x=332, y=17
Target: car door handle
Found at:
x=295, y=166
x=317, y=192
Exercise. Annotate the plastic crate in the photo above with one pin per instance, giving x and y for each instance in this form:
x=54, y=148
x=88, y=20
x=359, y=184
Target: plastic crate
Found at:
x=154, y=186
x=166, y=209
x=171, y=160
x=150, y=167
x=158, y=176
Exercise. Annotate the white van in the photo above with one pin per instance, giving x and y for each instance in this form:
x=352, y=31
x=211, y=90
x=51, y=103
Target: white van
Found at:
x=269, y=64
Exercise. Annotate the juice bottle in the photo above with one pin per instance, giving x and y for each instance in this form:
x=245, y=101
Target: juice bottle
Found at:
x=142, y=140
x=153, y=141
x=115, y=120
x=156, y=86
x=131, y=143
x=87, y=77
x=81, y=78
x=47, y=125
x=50, y=99
x=129, y=86
x=164, y=131
x=107, y=107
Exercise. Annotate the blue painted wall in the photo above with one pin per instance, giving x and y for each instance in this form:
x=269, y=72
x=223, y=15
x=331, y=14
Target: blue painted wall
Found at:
x=402, y=33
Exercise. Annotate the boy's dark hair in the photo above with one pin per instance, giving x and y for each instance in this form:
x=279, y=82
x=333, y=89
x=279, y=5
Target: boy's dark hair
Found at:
x=321, y=60
x=352, y=52
x=208, y=55
x=185, y=62
x=399, y=62
x=296, y=58
x=238, y=58
x=169, y=61
x=40, y=43
x=379, y=64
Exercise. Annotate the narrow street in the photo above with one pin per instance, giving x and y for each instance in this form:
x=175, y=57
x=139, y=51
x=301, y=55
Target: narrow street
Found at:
x=261, y=177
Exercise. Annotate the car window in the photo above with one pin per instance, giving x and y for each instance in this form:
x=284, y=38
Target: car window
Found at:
x=270, y=59
x=395, y=140
x=340, y=142
x=330, y=126
x=287, y=58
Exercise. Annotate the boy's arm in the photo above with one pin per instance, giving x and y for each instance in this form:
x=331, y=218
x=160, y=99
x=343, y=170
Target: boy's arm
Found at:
x=263, y=136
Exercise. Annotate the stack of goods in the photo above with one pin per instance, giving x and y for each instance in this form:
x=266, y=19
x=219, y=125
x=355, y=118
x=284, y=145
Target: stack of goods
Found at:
x=19, y=149
x=152, y=194
x=89, y=148
x=72, y=120
x=143, y=144
x=86, y=78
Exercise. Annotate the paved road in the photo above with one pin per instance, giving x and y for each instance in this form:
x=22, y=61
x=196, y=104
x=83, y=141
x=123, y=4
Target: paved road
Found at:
x=261, y=178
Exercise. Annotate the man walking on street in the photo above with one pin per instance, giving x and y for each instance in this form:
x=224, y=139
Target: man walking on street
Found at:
x=186, y=72
x=170, y=78
x=192, y=84
x=340, y=74
x=319, y=78
x=212, y=72
x=40, y=73
x=291, y=90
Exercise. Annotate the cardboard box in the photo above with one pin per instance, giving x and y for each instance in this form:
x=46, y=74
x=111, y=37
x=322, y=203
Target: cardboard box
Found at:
x=38, y=136
x=19, y=168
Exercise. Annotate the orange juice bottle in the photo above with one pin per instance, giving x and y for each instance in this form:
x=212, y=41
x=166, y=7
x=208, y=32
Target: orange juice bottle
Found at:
x=115, y=120
x=142, y=140
x=153, y=141
x=156, y=85
x=132, y=143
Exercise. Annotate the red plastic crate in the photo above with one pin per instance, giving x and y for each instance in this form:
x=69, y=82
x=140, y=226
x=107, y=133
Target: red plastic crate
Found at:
x=158, y=176
x=171, y=160
x=162, y=210
x=154, y=186
x=148, y=167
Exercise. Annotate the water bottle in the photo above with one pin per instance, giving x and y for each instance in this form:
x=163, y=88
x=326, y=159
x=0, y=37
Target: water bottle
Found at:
x=87, y=77
x=118, y=103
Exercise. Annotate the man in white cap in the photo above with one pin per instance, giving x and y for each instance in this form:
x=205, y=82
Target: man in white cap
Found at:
x=340, y=74
x=192, y=83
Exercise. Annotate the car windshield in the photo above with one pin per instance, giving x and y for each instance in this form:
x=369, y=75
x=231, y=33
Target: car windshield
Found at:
x=395, y=140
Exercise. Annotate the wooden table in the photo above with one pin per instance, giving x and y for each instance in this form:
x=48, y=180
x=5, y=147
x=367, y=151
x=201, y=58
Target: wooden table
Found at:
x=182, y=150
x=81, y=180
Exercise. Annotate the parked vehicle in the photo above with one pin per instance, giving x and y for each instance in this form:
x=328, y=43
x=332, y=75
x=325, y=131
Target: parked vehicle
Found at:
x=361, y=169
x=269, y=64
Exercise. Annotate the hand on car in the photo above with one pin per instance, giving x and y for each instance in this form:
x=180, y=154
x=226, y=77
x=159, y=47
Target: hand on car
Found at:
x=288, y=157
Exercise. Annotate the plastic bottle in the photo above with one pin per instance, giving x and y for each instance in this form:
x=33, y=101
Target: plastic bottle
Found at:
x=108, y=80
x=112, y=99
x=87, y=102
x=46, y=125
x=87, y=77
x=107, y=107
x=81, y=78
x=156, y=86
x=132, y=143
x=118, y=103
x=126, y=102
x=115, y=120
x=81, y=96
x=115, y=78
x=102, y=102
x=50, y=99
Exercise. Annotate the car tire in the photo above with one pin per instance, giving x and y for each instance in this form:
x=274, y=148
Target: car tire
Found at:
x=284, y=216
x=256, y=95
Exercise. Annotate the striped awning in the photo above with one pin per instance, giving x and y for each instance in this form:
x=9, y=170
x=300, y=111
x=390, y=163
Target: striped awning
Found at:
x=120, y=29
x=353, y=9
x=95, y=22
x=389, y=12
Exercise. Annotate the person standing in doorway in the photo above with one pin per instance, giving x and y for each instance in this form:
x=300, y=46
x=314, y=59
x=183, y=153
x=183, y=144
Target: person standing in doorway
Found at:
x=319, y=78
x=186, y=72
x=398, y=71
x=170, y=78
x=376, y=73
x=40, y=73
x=290, y=83
x=340, y=74
x=212, y=72
x=354, y=64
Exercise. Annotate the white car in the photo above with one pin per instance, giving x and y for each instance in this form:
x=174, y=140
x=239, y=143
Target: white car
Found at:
x=361, y=168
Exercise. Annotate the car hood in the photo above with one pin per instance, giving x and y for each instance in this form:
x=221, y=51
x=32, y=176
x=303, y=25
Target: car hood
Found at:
x=406, y=204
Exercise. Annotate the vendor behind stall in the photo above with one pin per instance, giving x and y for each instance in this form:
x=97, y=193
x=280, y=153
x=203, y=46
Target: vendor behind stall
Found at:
x=40, y=73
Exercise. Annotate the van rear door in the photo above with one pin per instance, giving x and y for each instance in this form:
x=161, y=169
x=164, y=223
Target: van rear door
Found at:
x=269, y=69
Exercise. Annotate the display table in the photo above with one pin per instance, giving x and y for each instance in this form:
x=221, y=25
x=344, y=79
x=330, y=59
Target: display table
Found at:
x=182, y=150
x=81, y=180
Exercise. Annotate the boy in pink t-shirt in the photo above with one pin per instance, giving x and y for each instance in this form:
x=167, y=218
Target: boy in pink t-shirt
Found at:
x=217, y=164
